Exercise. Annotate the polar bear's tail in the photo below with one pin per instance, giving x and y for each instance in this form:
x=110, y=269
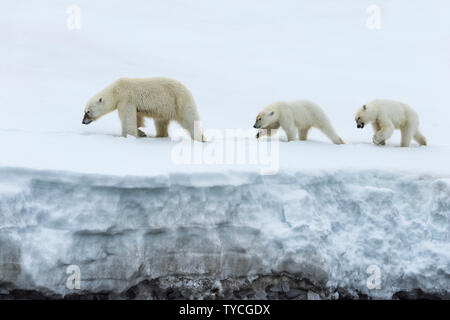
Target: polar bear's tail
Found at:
x=419, y=137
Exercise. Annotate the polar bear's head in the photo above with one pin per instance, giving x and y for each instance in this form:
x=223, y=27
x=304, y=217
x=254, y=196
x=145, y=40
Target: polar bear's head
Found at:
x=362, y=117
x=98, y=106
x=265, y=118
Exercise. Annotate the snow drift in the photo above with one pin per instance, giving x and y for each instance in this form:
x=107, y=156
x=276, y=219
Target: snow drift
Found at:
x=290, y=235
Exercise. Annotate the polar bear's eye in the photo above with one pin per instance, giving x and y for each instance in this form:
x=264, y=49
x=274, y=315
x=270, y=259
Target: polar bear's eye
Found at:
x=100, y=100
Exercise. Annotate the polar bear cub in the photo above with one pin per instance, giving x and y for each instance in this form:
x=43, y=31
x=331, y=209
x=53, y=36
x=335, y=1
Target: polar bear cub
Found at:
x=296, y=116
x=387, y=115
x=162, y=99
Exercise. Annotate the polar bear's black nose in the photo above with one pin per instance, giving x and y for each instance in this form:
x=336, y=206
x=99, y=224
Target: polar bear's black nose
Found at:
x=86, y=119
x=254, y=126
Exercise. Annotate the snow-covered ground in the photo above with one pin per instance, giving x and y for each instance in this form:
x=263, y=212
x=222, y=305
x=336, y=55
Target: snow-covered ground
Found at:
x=336, y=209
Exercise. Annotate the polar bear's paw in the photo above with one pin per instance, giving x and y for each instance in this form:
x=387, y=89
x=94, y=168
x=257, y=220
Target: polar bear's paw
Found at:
x=141, y=134
x=378, y=139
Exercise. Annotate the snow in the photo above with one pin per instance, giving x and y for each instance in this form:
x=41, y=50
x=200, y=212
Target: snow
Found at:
x=327, y=227
x=75, y=194
x=114, y=155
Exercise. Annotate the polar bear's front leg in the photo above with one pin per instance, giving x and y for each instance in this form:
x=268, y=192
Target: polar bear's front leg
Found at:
x=376, y=127
x=289, y=127
x=140, y=124
x=161, y=128
x=382, y=135
x=291, y=133
x=303, y=133
x=128, y=120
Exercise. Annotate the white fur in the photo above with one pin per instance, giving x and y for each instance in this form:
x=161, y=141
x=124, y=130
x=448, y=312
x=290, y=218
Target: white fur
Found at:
x=296, y=116
x=387, y=115
x=162, y=99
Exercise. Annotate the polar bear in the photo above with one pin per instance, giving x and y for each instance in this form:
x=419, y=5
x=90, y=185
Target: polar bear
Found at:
x=387, y=115
x=162, y=99
x=296, y=116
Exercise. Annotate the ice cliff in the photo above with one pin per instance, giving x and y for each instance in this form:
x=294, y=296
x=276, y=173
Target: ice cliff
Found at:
x=226, y=235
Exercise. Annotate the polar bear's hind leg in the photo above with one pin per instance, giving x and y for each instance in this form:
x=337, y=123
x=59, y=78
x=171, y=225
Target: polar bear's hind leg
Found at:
x=418, y=136
x=406, y=137
x=331, y=134
x=191, y=123
x=303, y=133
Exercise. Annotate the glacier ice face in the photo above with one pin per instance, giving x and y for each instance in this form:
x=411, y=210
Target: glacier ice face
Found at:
x=291, y=235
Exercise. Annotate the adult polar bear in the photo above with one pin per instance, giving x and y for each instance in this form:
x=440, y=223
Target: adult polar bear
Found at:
x=162, y=99
x=296, y=116
x=387, y=115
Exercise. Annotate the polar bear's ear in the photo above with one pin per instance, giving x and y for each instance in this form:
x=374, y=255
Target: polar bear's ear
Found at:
x=364, y=107
x=100, y=100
